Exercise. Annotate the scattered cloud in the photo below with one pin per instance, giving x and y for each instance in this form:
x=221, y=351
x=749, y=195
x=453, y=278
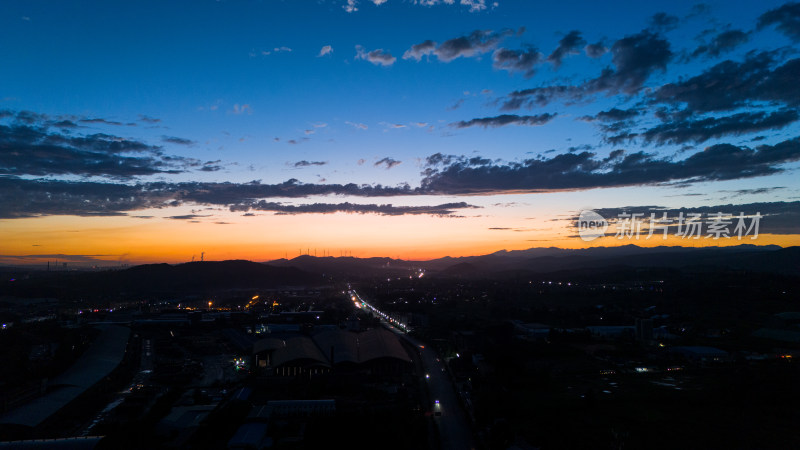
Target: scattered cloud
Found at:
x=242, y=109
x=613, y=115
x=701, y=130
x=148, y=119
x=305, y=163
x=506, y=119
x=350, y=6
x=443, y=210
x=448, y=174
x=595, y=50
x=635, y=58
x=722, y=43
x=211, y=166
x=325, y=50
x=96, y=120
x=730, y=85
x=568, y=45
x=417, y=51
x=212, y=107
x=786, y=19
x=177, y=140
x=186, y=217
x=456, y=105
x=522, y=61
x=662, y=22
x=472, y=45
x=378, y=57
x=474, y=5
x=29, y=146
x=756, y=191
x=387, y=162
x=61, y=258
x=359, y=126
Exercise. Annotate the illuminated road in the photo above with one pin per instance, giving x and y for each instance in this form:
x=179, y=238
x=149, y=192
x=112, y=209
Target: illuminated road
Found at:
x=454, y=429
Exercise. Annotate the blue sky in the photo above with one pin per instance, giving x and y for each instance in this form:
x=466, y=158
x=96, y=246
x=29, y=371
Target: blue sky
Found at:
x=551, y=107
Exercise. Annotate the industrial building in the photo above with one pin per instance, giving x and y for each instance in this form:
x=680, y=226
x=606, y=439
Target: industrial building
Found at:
x=373, y=351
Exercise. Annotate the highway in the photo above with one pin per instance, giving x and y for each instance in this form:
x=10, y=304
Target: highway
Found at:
x=454, y=428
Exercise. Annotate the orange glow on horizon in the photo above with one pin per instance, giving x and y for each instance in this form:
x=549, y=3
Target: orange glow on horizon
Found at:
x=109, y=240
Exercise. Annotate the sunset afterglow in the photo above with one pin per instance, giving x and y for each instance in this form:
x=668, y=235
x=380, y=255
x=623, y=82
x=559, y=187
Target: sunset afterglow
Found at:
x=160, y=132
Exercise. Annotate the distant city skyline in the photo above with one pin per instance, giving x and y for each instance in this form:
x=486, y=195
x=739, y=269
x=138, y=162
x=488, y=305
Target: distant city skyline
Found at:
x=152, y=132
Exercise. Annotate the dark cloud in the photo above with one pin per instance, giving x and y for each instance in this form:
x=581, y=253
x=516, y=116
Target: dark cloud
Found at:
x=568, y=45
x=61, y=257
x=506, y=119
x=662, y=21
x=699, y=9
x=730, y=85
x=474, y=44
x=177, y=140
x=21, y=197
x=305, y=163
x=785, y=18
x=189, y=217
x=595, y=50
x=378, y=57
x=30, y=198
x=230, y=193
x=539, y=96
x=447, y=209
x=444, y=174
x=635, y=58
x=36, y=151
x=30, y=146
x=27, y=117
x=613, y=114
x=147, y=119
x=722, y=43
x=624, y=137
x=211, y=166
x=701, y=130
x=417, y=51
x=517, y=60
x=64, y=124
x=105, y=122
x=387, y=162
x=756, y=191
x=577, y=171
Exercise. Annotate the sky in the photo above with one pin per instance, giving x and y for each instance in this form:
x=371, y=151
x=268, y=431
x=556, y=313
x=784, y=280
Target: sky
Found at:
x=137, y=132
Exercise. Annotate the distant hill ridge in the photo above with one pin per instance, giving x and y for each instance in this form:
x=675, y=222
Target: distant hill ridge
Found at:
x=769, y=258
